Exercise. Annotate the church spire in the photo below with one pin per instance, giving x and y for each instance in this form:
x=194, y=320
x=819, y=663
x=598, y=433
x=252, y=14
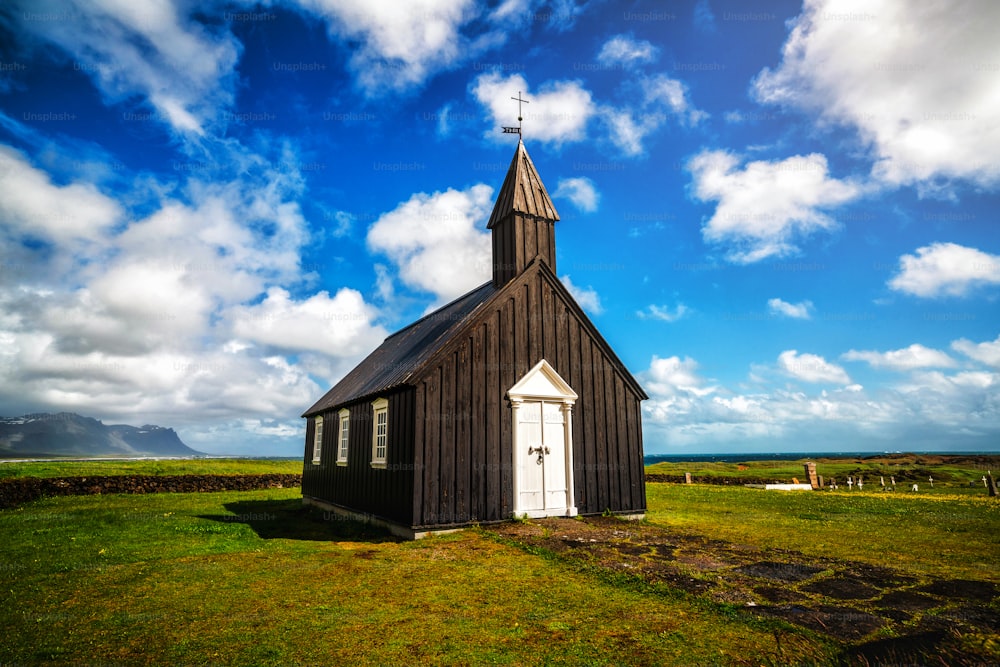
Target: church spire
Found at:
x=523, y=220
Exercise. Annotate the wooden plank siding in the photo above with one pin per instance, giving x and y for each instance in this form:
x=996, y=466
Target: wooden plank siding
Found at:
x=383, y=492
x=468, y=476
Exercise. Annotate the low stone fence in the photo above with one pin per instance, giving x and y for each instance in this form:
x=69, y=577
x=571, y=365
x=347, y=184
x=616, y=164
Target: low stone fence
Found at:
x=19, y=490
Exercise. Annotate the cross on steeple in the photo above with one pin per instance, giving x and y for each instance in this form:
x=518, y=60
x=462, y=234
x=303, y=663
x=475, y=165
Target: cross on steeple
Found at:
x=517, y=130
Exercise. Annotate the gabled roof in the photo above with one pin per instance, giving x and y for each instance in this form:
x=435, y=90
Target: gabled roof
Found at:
x=536, y=266
x=403, y=353
x=522, y=191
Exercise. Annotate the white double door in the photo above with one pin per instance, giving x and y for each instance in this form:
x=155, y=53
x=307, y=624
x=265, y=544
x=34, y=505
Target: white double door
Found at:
x=544, y=473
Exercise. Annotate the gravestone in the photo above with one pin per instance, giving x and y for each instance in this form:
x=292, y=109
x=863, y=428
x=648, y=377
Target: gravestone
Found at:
x=811, y=475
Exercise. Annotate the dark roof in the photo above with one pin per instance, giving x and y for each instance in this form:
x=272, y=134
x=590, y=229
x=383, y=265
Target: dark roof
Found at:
x=404, y=352
x=522, y=191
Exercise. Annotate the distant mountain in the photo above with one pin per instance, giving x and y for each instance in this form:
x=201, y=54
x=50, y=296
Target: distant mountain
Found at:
x=70, y=434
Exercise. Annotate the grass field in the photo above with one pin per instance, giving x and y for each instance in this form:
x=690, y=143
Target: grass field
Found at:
x=56, y=468
x=252, y=578
x=952, y=474
x=926, y=534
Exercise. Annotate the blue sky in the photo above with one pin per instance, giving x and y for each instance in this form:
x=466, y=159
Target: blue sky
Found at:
x=782, y=216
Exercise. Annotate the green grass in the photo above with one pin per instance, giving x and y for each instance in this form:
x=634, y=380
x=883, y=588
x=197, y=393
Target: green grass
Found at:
x=251, y=578
x=56, y=468
x=952, y=474
x=926, y=534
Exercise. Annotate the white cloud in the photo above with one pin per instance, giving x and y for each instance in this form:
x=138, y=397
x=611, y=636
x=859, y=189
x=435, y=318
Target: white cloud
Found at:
x=401, y=44
x=662, y=313
x=670, y=376
x=671, y=93
x=580, y=191
x=318, y=324
x=557, y=113
x=945, y=269
x=928, y=409
x=437, y=241
x=908, y=358
x=158, y=318
x=183, y=69
x=627, y=133
x=32, y=205
x=626, y=50
x=586, y=297
x=660, y=98
x=811, y=368
x=765, y=206
x=800, y=311
x=987, y=352
x=560, y=111
x=928, y=113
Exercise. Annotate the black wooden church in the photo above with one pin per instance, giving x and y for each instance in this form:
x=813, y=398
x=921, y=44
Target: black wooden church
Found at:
x=503, y=403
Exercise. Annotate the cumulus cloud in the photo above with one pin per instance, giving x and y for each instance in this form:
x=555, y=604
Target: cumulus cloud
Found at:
x=987, y=352
x=437, y=241
x=586, y=297
x=659, y=99
x=400, y=44
x=927, y=113
x=927, y=407
x=159, y=316
x=908, y=358
x=580, y=191
x=799, y=311
x=557, y=113
x=30, y=204
x=945, y=269
x=181, y=67
x=661, y=90
x=765, y=207
x=321, y=323
x=663, y=313
x=671, y=376
x=626, y=50
x=811, y=368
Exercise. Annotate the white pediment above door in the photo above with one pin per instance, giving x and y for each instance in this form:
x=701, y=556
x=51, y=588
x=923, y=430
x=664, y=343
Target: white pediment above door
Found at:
x=543, y=382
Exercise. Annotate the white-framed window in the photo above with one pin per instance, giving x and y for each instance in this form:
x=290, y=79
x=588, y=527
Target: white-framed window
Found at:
x=318, y=439
x=380, y=431
x=345, y=428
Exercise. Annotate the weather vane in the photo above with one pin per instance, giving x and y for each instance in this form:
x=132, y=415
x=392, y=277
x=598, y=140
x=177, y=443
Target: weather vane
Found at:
x=517, y=130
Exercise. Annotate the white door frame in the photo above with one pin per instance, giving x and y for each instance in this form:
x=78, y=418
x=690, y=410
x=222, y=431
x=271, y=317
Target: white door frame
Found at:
x=543, y=384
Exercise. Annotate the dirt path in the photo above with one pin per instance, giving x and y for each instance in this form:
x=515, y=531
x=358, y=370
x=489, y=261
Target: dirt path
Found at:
x=878, y=614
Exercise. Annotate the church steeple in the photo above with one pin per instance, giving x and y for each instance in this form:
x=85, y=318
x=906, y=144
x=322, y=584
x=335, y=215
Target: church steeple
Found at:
x=523, y=221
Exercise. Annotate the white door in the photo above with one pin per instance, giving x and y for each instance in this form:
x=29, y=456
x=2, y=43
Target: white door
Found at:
x=541, y=440
x=542, y=406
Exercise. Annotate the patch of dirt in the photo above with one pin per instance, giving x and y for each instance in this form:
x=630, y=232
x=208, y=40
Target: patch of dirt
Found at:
x=840, y=622
x=779, y=571
x=779, y=594
x=842, y=589
x=780, y=583
x=907, y=600
x=976, y=617
x=982, y=591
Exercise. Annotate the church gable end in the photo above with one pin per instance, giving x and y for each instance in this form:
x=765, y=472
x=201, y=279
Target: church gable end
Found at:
x=422, y=432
